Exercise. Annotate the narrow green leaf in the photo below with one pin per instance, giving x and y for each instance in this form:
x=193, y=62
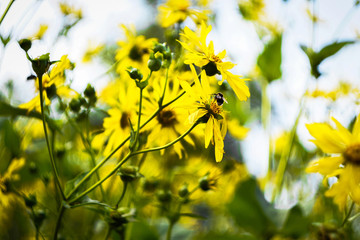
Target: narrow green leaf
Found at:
x=296, y=224
x=269, y=61
x=12, y=139
x=315, y=58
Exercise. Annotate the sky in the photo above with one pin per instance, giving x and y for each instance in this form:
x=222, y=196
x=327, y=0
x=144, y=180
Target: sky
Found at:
x=231, y=32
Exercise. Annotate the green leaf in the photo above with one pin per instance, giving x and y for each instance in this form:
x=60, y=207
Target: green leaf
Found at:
x=73, y=182
x=316, y=58
x=6, y=110
x=269, y=61
x=12, y=139
x=142, y=230
x=251, y=211
x=296, y=224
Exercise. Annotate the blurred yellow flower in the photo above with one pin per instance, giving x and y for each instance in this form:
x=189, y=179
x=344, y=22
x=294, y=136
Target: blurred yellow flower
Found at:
x=251, y=9
x=117, y=125
x=53, y=84
x=176, y=11
x=70, y=10
x=169, y=123
x=41, y=31
x=203, y=56
x=92, y=51
x=9, y=176
x=344, y=164
x=134, y=51
x=206, y=105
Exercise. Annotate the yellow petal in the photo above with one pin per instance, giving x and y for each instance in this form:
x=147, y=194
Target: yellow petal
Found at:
x=324, y=166
x=326, y=138
x=209, y=130
x=219, y=143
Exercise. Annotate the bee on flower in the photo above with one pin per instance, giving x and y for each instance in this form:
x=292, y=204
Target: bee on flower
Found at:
x=344, y=162
x=203, y=56
x=206, y=108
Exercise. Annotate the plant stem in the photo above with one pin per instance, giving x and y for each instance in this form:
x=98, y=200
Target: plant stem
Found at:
x=58, y=221
x=122, y=195
x=139, y=117
x=348, y=214
x=57, y=179
x=120, y=145
x=163, y=94
x=285, y=155
x=168, y=234
x=6, y=10
x=129, y=155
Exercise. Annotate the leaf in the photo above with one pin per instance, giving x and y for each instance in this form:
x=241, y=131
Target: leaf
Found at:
x=251, y=211
x=6, y=110
x=73, y=182
x=12, y=139
x=296, y=224
x=142, y=230
x=269, y=61
x=316, y=58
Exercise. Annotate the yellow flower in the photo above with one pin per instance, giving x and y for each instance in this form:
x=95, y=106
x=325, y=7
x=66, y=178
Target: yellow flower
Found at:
x=344, y=163
x=9, y=176
x=251, y=9
x=117, y=126
x=134, y=51
x=40, y=33
x=91, y=52
x=53, y=84
x=203, y=56
x=207, y=107
x=169, y=122
x=176, y=11
x=70, y=10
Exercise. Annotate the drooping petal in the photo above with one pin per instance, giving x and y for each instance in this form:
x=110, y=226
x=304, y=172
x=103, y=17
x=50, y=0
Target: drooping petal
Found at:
x=209, y=130
x=326, y=138
x=345, y=135
x=324, y=166
x=219, y=143
x=356, y=129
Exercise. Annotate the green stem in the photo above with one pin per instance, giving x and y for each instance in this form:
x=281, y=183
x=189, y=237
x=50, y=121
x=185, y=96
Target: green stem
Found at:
x=168, y=234
x=348, y=214
x=285, y=155
x=58, y=221
x=129, y=155
x=163, y=94
x=87, y=145
x=57, y=179
x=120, y=145
x=122, y=195
x=6, y=10
x=139, y=116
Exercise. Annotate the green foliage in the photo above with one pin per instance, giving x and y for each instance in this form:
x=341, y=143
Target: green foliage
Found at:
x=296, y=224
x=142, y=230
x=251, y=211
x=11, y=138
x=316, y=58
x=269, y=61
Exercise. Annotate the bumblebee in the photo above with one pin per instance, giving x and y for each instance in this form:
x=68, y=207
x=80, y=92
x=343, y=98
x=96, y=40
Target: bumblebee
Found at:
x=219, y=97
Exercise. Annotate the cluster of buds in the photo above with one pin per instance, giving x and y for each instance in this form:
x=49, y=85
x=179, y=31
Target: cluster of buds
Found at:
x=86, y=101
x=160, y=57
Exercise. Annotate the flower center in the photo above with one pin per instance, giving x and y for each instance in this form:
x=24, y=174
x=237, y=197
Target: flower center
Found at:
x=215, y=108
x=167, y=118
x=211, y=69
x=216, y=59
x=136, y=53
x=124, y=120
x=352, y=154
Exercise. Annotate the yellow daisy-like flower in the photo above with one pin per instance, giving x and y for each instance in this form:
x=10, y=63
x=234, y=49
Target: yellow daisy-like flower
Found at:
x=41, y=31
x=345, y=163
x=203, y=55
x=53, y=84
x=9, y=176
x=210, y=107
x=117, y=125
x=169, y=122
x=134, y=51
x=176, y=11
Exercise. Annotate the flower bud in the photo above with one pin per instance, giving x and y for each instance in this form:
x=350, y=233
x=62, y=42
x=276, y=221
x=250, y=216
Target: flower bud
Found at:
x=30, y=201
x=164, y=196
x=51, y=91
x=129, y=173
x=25, y=44
x=134, y=73
x=206, y=183
x=150, y=185
x=154, y=63
x=183, y=191
x=41, y=64
x=39, y=217
x=75, y=105
x=160, y=47
x=89, y=91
